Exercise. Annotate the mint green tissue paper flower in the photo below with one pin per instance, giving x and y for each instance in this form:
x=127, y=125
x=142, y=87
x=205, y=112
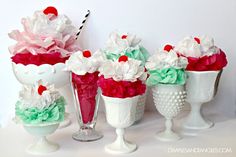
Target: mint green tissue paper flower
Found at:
x=112, y=56
x=139, y=53
x=54, y=113
x=166, y=76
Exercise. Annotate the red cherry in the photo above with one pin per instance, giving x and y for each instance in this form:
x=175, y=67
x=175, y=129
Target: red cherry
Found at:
x=123, y=58
x=41, y=89
x=168, y=47
x=50, y=10
x=197, y=40
x=124, y=36
x=87, y=53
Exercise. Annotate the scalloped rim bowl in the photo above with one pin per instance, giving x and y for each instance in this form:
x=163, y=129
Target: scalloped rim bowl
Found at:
x=52, y=74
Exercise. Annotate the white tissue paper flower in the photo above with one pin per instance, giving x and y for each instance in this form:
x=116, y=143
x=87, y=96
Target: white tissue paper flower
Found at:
x=131, y=70
x=80, y=65
x=164, y=59
x=119, y=43
x=190, y=47
x=29, y=96
x=45, y=34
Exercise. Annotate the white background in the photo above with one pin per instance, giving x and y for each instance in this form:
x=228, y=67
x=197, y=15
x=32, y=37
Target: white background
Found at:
x=157, y=22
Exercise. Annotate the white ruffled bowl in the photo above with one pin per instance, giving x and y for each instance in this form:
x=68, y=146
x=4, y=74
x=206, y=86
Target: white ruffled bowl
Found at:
x=53, y=74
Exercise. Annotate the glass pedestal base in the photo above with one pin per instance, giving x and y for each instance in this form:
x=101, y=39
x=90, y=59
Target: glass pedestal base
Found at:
x=86, y=135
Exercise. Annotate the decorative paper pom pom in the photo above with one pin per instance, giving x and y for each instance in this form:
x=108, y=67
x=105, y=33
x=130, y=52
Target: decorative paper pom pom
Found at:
x=39, y=59
x=207, y=63
x=168, y=48
x=123, y=36
x=41, y=89
x=87, y=53
x=197, y=40
x=50, y=10
x=123, y=58
x=121, y=89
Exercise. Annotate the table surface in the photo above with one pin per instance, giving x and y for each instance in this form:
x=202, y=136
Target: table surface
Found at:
x=14, y=140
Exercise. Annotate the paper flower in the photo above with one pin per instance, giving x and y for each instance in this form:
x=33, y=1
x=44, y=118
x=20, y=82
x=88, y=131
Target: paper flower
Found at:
x=119, y=43
x=39, y=59
x=54, y=113
x=45, y=33
x=166, y=76
x=166, y=67
x=123, y=69
x=189, y=47
x=126, y=44
x=202, y=54
x=84, y=62
x=213, y=62
x=31, y=97
x=122, y=78
x=121, y=89
x=166, y=59
x=40, y=104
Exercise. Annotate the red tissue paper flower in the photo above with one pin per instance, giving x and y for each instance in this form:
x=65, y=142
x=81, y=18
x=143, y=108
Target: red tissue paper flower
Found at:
x=121, y=89
x=86, y=87
x=39, y=59
x=214, y=62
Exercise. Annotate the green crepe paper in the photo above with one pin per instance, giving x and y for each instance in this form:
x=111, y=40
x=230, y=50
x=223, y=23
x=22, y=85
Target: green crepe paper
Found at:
x=139, y=54
x=166, y=76
x=53, y=113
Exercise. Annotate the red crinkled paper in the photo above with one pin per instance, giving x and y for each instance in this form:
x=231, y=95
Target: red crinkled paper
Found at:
x=39, y=59
x=214, y=62
x=86, y=87
x=121, y=89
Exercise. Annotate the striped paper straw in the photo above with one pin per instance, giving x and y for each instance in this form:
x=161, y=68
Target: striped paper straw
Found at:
x=83, y=22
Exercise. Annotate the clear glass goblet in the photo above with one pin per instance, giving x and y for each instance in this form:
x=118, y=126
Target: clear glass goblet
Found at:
x=86, y=100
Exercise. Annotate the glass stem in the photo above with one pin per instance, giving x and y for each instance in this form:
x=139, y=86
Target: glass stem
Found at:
x=168, y=124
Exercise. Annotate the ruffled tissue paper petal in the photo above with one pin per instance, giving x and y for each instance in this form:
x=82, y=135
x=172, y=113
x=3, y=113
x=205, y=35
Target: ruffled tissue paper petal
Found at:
x=121, y=89
x=166, y=76
x=138, y=53
x=53, y=113
x=86, y=87
x=39, y=59
x=46, y=39
x=213, y=62
x=43, y=34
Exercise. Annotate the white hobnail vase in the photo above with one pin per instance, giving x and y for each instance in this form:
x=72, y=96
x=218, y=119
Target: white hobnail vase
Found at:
x=120, y=114
x=42, y=146
x=169, y=101
x=52, y=74
x=201, y=87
